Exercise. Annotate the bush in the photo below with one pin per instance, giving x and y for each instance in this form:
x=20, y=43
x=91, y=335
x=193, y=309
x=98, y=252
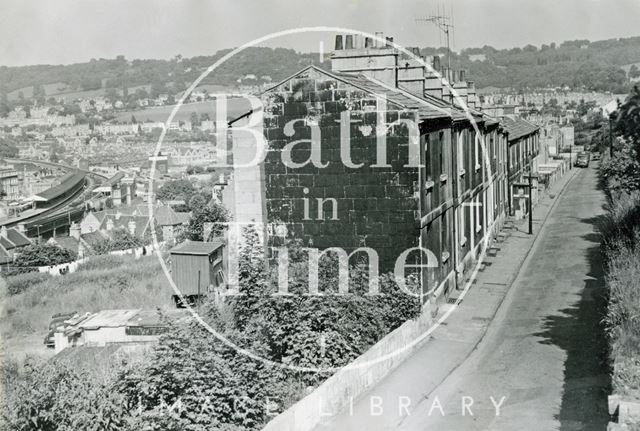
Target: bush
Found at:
x=621, y=245
x=37, y=255
x=21, y=282
x=134, y=284
x=59, y=396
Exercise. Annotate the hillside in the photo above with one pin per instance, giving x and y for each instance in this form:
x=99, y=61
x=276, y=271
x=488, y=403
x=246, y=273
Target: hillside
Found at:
x=602, y=66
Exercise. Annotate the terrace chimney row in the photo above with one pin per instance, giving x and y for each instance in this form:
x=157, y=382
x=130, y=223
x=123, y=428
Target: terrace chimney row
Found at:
x=378, y=59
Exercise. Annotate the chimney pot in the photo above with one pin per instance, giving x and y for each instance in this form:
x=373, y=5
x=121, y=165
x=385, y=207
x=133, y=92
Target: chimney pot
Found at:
x=462, y=75
x=338, y=42
x=74, y=231
x=367, y=42
x=379, y=42
x=348, y=44
x=436, y=63
x=389, y=40
x=357, y=41
x=132, y=227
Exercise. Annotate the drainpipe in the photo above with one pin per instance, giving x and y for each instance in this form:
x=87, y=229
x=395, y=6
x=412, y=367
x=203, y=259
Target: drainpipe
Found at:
x=455, y=195
x=508, y=177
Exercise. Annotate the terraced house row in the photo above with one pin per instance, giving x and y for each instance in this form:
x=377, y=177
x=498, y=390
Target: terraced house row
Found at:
x=401, y=163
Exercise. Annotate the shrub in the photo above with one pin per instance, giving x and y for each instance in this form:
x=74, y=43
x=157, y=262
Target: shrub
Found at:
x=59, y=396
x=36, y=255
x=21, y=282
x=621, y=245
x=135, y=284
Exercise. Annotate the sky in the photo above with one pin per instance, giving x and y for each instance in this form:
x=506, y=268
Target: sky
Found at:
x=71, y=31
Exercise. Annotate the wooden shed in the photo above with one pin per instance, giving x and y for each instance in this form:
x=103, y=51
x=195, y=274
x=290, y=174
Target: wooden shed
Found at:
x=197, y=267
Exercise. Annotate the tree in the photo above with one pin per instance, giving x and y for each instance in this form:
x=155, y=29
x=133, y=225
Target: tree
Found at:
x=55, y=395
x=39, y=95
x=197, y=203
x=212, y=213
x=120, y=239
x=628, y=120
x=195, y=120
x=176, y=189
x=43, y=254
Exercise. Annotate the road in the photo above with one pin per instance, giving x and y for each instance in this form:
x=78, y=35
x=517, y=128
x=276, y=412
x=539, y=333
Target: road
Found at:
x=542, y=357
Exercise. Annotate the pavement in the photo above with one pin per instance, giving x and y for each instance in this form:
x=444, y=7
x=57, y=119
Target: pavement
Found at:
x=523, y=350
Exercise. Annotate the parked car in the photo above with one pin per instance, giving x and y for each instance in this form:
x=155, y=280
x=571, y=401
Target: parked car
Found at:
x=582, y=160
x=56, y=320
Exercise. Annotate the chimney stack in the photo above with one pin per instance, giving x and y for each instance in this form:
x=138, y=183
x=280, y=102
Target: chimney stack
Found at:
x=348, y=41
x=132, y=227
x=379, y=40
x=436, y=63
x=338, y=42
x=74, y=231
x=368, y=43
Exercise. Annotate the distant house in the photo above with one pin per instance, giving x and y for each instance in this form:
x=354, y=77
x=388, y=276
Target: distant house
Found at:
x=74, y=242
x=135, y=219
x=168, y=220
x=198, y=268
x=12, y=241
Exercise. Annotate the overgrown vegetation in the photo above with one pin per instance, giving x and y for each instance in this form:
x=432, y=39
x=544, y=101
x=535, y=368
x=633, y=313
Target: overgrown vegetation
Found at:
x=131, y=284
x=120, y=239
x=36, y=255
x=621, y=245
x=194, y=381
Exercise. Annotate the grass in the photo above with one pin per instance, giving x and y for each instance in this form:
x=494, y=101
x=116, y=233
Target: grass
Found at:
x=235, y=107
x=119, y=283
x=621, y=241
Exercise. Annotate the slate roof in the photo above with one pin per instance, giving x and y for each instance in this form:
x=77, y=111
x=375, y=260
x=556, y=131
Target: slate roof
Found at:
x=198, y=248
x=397, y=96
x=517, y=128
x=14, y=239
x=166, y=216
x=17, y=237
x=92, y=238
x=122, y=221
x=67, y=242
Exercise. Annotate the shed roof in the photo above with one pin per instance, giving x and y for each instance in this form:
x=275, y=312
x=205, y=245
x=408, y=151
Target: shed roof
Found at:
x=198, y=248
x=108, y=319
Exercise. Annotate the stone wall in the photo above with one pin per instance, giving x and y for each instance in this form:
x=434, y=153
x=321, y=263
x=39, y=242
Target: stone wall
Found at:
x=376, y=207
